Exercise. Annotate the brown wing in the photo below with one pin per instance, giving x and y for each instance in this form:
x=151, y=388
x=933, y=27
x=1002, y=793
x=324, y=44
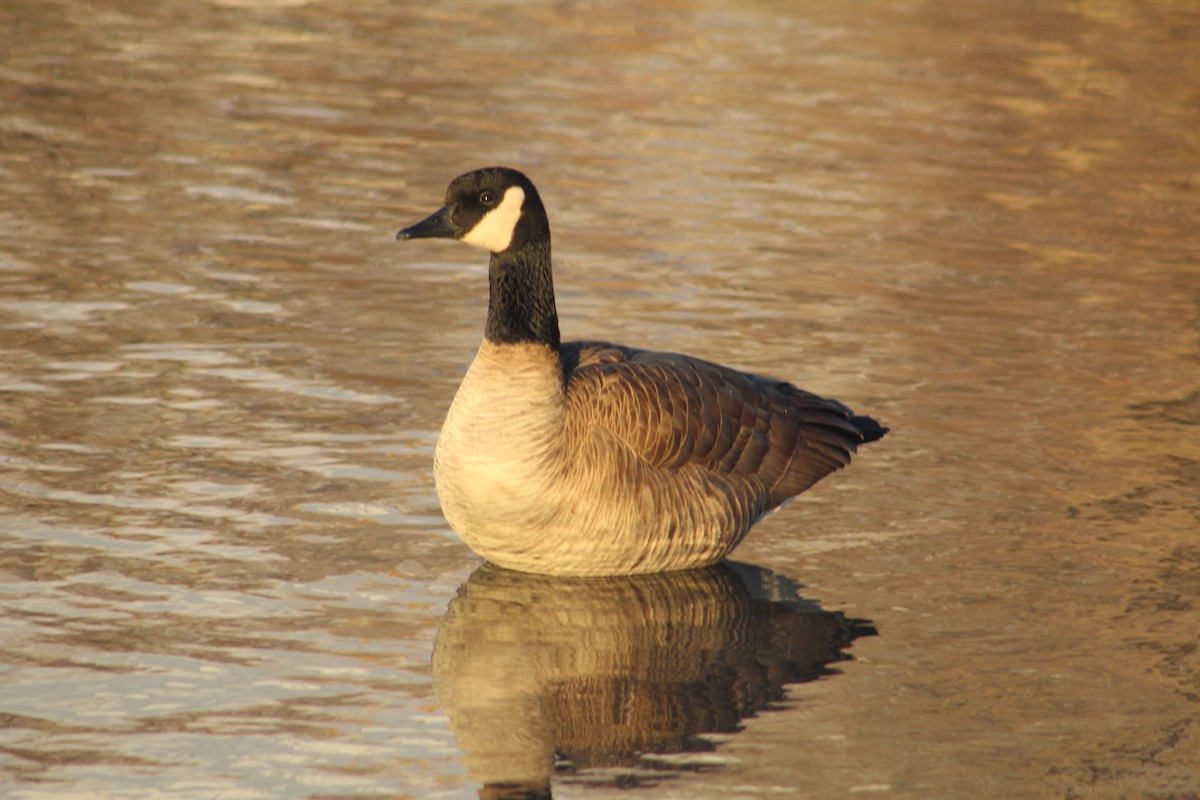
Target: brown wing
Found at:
x=674, y=410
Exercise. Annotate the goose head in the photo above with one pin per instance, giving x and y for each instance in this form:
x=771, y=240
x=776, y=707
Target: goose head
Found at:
x=498, y=209
x=495, y=208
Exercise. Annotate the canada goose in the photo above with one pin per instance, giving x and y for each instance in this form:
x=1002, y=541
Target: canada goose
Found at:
x=588, y=458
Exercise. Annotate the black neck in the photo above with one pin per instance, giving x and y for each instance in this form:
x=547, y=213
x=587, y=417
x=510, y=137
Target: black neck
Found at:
x=521, y=305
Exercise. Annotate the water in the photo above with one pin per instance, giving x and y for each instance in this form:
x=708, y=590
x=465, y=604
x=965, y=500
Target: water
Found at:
x=224, y=569
x=620, y=682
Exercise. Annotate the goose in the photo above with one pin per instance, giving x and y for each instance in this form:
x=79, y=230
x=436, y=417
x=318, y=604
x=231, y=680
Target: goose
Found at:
x=595, y=459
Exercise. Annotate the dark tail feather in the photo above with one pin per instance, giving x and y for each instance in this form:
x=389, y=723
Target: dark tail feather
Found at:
x=869, y=428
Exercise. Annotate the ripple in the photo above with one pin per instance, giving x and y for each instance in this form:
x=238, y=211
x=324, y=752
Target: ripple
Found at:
x=237, y=194
x=61, y=311
x=180, y=351
x=159, y=287
x=261, y=378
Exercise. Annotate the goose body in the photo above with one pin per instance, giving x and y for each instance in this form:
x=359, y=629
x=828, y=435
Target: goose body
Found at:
x=589, y=458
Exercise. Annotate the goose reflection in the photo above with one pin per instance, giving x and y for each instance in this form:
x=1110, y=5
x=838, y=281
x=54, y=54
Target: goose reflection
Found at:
x=604, y=679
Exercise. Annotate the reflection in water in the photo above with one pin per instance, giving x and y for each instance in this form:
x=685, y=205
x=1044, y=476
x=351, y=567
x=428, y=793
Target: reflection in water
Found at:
x=617, y=677
x=222, y=563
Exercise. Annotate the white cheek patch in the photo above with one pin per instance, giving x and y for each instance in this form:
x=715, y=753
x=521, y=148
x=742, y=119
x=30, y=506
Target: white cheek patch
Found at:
x=495, y=231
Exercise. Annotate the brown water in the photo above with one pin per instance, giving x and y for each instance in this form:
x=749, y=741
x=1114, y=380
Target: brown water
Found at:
x=224, y=568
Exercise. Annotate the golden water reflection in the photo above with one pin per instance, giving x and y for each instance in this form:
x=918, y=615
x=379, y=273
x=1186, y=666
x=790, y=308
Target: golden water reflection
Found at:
x=222, y=561
x=620, y=681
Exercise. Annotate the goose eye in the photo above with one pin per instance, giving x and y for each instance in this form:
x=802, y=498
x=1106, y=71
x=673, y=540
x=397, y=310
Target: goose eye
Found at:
x=487, y=197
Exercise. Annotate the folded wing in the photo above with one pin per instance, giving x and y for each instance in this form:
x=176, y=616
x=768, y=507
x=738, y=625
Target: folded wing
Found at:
x=675, y=411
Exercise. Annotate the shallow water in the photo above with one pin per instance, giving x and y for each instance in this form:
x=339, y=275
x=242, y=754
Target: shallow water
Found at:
x=221, y=379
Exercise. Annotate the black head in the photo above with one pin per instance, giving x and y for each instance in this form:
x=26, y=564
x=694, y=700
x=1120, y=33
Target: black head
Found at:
x=495, y=208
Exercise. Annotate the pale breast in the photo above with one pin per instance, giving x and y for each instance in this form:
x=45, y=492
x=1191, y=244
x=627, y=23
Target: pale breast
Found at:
x=501, y=442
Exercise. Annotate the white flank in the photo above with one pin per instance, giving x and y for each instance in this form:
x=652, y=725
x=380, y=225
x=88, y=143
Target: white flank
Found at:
x=495, y=231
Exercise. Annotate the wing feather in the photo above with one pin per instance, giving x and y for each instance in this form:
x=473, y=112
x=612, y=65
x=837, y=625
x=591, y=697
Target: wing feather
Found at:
x=677, y=412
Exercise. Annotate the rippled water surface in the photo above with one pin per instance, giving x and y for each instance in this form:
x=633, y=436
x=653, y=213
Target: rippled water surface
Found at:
x=224, y=571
